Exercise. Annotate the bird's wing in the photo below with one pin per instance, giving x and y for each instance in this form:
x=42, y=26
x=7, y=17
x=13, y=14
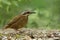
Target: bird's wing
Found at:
x=14, y=20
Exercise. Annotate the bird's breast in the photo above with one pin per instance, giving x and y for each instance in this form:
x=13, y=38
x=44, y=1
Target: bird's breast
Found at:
x=22, y=21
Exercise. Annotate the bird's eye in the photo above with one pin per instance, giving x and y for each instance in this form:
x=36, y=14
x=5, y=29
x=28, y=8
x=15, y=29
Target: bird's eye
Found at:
x=27, y=12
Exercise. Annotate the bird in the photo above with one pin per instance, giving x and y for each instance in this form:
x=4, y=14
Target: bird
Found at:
x=19, y=21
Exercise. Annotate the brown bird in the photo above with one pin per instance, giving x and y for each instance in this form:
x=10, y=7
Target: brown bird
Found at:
x=19, y=21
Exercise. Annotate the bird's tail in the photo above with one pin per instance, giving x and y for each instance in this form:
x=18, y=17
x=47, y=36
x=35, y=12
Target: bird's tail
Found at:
x=6, y=26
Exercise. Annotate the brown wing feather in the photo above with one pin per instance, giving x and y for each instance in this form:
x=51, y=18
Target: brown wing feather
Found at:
x=15, y=19
x=21, y=22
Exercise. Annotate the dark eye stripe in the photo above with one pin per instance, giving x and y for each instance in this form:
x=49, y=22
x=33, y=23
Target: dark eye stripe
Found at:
x=26, y=13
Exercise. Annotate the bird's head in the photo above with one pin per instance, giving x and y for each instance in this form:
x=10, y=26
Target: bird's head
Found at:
x=27, y=13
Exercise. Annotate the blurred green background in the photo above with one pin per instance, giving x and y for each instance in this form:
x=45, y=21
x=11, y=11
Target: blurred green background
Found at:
x=47, y=16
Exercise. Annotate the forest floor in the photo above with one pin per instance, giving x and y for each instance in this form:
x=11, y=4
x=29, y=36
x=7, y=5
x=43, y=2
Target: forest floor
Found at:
x=29, y=34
